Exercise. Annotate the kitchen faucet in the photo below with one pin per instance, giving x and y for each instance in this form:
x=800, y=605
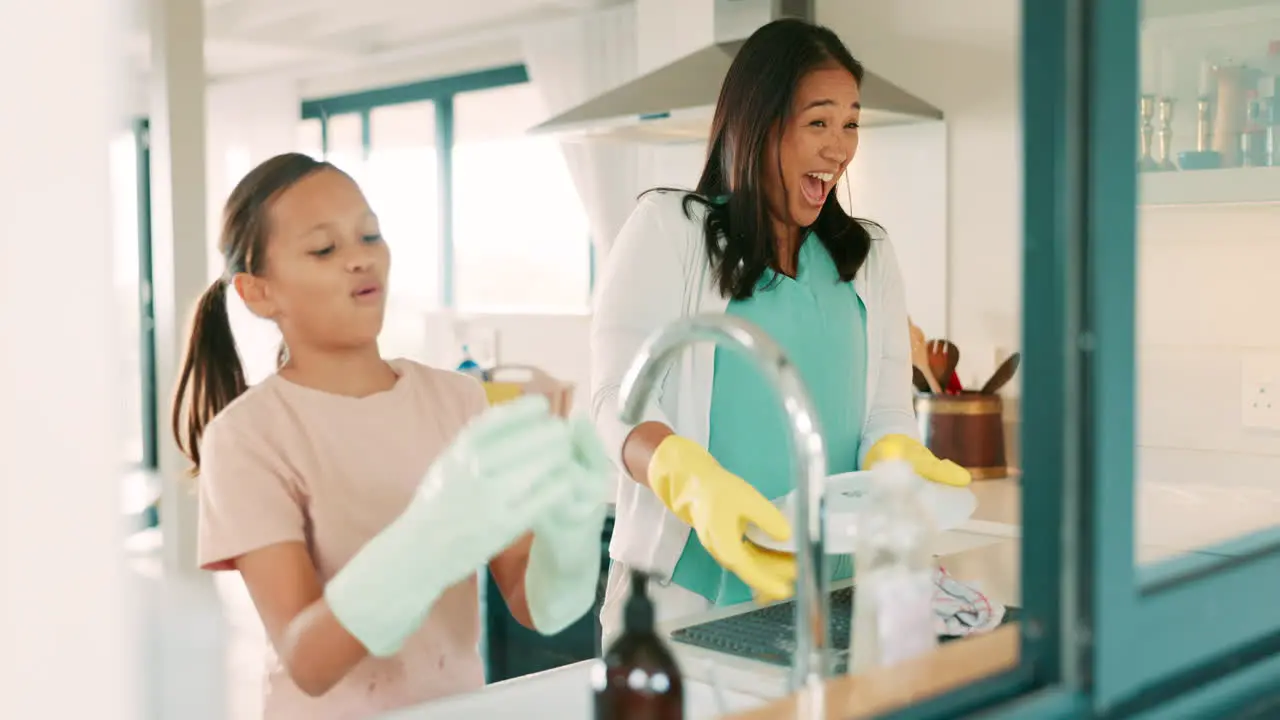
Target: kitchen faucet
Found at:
x=810, y=659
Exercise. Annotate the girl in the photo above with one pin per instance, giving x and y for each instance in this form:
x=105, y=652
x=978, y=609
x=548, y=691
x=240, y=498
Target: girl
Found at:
x=763, y=238
x=349, y=491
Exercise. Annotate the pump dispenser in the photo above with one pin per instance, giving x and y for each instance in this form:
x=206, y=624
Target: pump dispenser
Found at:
x=638, y=678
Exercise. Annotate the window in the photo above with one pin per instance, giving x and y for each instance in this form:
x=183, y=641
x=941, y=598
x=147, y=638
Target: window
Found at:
x=1177, y=305
x=310, y=138
x=390, y=150
x=521, y=239
x=400, y=179
x=440, y=160
x=128, y=290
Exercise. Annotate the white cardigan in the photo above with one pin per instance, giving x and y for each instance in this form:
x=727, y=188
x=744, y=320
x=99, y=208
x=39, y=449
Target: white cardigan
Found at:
x=658, y=272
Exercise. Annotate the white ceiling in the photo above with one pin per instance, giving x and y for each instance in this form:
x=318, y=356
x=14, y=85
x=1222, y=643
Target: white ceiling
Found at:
x=308, y=37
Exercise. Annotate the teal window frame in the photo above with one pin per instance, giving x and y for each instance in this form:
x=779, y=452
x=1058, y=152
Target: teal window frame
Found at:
x=1102, y=636
x=441, y=92
x=141, y=128
x=1188, y=621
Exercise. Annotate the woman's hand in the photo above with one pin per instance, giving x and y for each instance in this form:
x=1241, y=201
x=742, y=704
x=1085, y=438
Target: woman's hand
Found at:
x=719, y=505
x=922, y=461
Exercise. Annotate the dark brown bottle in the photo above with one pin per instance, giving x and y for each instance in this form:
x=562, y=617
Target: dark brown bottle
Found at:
x=638, y=678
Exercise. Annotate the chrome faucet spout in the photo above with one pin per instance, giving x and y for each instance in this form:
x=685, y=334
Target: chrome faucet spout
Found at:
x=811, y=659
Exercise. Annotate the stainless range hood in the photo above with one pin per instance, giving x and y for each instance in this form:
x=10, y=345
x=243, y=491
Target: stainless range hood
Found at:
x=675, y=103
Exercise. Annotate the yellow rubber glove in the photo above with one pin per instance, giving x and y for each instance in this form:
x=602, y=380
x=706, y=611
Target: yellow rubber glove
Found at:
x=926, y=464
x=718, y=505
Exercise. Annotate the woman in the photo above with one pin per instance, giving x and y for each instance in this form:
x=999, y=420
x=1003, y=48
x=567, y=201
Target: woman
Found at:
x=762, y=238
x=358, y=496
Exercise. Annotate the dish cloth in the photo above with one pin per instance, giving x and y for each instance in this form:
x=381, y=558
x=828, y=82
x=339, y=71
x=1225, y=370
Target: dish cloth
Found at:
x=960, y=609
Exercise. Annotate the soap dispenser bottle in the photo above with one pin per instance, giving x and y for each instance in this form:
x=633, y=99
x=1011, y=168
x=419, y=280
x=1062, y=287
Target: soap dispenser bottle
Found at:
x=638, y=678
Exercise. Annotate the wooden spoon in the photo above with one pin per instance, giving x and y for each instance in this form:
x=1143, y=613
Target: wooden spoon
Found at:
x=944, y=356
x=920, y=380
x=920, y=359
x=1002, y=374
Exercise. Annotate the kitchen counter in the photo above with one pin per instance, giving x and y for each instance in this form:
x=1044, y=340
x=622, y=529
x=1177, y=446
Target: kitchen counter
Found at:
x=565, y=694
x=984, y=551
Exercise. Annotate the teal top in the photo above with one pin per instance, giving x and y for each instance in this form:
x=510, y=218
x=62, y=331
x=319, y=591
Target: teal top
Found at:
x=820, y=323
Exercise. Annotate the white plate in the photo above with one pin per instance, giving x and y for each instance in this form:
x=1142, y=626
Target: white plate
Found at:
x=847, y=493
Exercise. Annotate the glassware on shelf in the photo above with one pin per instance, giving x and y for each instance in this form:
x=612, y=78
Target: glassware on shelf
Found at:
x=1204, y=157
x=1164, y=145
x=1230, y=110
x=1253, y=138
x=1147, y=108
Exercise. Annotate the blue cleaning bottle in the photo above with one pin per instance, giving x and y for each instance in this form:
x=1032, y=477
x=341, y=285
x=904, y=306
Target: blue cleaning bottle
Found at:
x=469, y=366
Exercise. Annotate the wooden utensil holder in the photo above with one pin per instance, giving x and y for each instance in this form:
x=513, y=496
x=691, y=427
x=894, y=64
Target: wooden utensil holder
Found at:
x=967, y=429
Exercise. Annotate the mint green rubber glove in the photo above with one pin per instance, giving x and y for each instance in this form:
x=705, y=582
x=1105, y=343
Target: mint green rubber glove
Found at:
x=564, y=562
x=504, y=471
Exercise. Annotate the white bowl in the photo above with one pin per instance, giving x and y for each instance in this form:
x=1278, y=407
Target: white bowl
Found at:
x=847, y=494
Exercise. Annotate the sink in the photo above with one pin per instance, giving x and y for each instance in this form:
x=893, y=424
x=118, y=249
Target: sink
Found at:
x=766, y=634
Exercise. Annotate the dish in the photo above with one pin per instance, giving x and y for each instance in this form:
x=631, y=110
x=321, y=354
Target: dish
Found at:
x=847, y=494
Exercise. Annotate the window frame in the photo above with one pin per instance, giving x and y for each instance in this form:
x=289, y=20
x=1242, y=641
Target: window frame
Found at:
x=140, y=129
x=1137, y=661
x=1105, y=646
x=441, y=92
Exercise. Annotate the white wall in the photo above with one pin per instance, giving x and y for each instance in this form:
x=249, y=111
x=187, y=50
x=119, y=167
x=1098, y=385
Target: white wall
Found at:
x=660, y=39
x=899, y=179
x=1206, y=300
x=964, y=58
x=66, y=645
x=248, y=122
x=437, y=60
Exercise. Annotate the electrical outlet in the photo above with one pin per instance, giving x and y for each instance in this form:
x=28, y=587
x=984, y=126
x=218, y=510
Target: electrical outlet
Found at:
x=1260, y=391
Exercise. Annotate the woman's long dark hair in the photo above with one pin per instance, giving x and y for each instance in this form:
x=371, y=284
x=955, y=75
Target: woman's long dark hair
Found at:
x=755, y=100
x=212, y=375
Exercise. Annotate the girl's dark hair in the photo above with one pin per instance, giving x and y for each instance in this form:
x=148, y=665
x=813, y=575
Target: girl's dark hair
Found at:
x=212, y=375
x=755, y=99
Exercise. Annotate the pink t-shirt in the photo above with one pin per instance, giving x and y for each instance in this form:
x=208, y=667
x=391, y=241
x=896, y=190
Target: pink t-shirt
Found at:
x=287, y=463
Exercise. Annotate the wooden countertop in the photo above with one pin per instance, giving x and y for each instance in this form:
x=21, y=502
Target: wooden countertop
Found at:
x=877, y=692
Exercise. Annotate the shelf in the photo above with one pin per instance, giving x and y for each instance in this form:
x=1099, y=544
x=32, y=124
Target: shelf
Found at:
x=1192, y=10
x=1231, y=186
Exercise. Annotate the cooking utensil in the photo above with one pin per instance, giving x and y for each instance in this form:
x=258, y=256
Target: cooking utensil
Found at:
x=919, y=379
x=1002, y=374
x=920, y=359
x=944, y=356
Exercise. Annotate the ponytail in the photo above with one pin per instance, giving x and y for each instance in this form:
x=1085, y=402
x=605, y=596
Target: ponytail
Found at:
x=212, y=375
